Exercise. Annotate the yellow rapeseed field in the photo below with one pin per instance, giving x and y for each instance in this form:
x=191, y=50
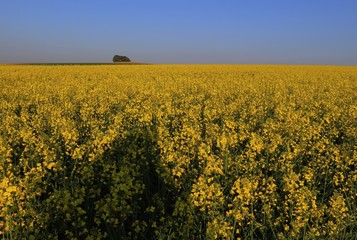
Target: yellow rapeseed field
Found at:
x=178, y=152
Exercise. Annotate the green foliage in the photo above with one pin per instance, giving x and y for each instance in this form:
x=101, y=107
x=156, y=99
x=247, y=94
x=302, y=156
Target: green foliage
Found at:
x=118, y=58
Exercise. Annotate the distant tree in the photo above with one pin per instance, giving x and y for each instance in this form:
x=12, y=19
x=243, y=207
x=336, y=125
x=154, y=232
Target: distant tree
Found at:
x=118, y=58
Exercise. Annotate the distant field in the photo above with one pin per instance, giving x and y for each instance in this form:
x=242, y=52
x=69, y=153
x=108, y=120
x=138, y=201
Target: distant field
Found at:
x=178, y=151
x=123, y=63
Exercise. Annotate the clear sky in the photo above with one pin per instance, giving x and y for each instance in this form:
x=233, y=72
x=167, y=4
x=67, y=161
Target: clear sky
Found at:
x=180, y=31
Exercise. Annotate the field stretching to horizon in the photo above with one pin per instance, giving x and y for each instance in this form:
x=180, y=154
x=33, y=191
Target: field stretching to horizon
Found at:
x=178, y=152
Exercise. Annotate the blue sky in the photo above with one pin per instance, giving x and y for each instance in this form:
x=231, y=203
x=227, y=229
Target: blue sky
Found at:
x=180, y=31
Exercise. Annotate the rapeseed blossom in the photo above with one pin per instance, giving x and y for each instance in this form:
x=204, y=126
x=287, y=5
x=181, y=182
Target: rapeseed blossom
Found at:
x=178, y=151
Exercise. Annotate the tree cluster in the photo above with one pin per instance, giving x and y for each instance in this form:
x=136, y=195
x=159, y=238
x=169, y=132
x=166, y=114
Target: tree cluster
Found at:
x=118, y=58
